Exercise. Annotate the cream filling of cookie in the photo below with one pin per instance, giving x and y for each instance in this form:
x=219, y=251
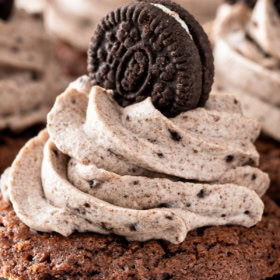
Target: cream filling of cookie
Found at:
x=175, y=16
x=74, y=21
x=247, y=42
x=133, y=172
x=30, y=78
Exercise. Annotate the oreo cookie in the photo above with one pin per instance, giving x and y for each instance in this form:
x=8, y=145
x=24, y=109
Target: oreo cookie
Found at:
x=6, y=8
x=152, y=48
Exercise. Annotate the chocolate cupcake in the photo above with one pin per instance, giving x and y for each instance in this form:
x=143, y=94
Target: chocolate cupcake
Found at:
x=30, y=78
x=118, y=187
x=246, y=36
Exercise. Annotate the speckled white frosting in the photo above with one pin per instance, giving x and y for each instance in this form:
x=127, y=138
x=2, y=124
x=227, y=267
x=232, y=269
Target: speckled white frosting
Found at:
x=133, y=172
x=30, y=78
x=247, y=60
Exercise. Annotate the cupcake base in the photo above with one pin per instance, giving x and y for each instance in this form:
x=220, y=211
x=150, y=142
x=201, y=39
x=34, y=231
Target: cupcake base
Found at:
x=11, y=143
x=230, y=252
x=270, y=163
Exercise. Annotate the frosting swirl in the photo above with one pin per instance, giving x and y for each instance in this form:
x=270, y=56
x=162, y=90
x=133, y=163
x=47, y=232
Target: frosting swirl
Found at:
x=30, y=77
x=248, y=42
x=133, y=172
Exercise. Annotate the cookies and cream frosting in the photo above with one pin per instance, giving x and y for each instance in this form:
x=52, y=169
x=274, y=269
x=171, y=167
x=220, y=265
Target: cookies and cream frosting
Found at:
x=30, y=77
x=247, y=58
x=133, y=172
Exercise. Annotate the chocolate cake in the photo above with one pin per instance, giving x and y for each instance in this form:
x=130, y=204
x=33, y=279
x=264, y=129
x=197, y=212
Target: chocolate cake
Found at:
x=230, y=252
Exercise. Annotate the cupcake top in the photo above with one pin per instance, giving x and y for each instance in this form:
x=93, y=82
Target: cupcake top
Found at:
x=121, y=165
x=30, y=77
x=247, y=40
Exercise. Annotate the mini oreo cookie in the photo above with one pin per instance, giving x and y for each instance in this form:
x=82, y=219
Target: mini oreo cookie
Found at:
x=152, y=48
x=6, y=8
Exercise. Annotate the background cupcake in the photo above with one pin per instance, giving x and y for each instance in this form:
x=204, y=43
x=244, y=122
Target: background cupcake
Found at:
x=30, y=79
x=247, y=58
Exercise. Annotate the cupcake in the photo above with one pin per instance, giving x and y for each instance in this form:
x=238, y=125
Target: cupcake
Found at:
x=140, y=173
x=246, y=41
x=30, y=78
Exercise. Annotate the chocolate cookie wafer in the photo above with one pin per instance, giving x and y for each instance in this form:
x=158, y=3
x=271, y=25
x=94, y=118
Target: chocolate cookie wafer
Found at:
x=152, y=48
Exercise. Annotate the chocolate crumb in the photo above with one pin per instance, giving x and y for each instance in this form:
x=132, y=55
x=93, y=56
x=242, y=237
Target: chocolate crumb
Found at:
x=106, y=227
x=88, y=221
x=175, y=136
x=189, y=205
x=229, y=158
x=250, y=162
x=133, y=227
x=127, y=118
x=223, y=216
x=152, y=140
x=160, y=155
x=55, y=153
x=80, y=211
x=34, y=76
x=247, y=212
x=254, y=177
x=169, y=217
x=87, y=205
x=136, y=183
x=201, y=194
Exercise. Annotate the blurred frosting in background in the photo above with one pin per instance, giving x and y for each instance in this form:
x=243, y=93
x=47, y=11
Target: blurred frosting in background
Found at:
x=74, y=21
x=247, y=41
x=31, y=6
x=30, y=75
